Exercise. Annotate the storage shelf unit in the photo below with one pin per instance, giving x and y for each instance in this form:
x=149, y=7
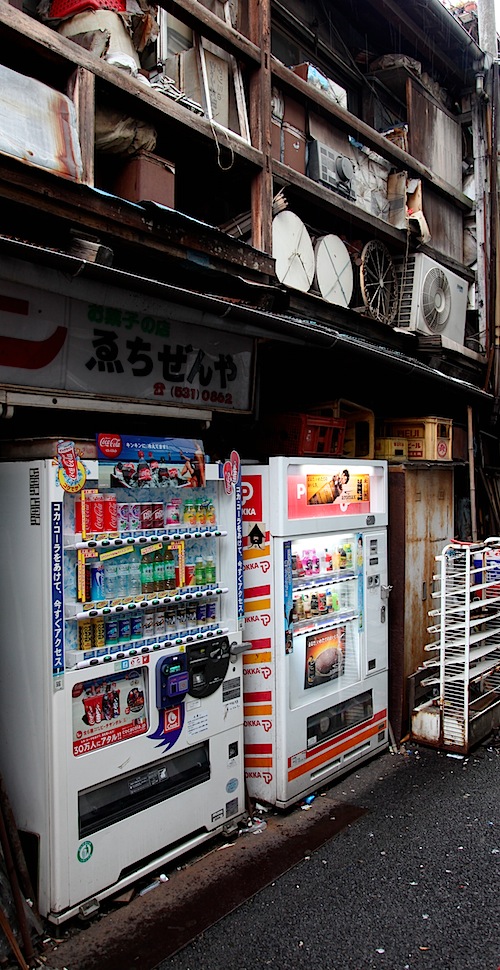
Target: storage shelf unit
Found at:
x=466, y=652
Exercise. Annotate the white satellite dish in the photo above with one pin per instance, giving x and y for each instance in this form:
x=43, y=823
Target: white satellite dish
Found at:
x=333, y=270
x=293, y=251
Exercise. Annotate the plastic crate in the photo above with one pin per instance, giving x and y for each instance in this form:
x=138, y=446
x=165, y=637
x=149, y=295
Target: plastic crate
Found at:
x=359, y=438
x=394, y=449
x=305, y=434
x=429, y=439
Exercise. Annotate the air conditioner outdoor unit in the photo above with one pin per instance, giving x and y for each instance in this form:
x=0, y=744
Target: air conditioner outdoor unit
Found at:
x=332, y=169
x=432, y=299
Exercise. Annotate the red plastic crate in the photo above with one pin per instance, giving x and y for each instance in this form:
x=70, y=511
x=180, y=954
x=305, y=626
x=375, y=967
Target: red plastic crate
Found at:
x=305, y=434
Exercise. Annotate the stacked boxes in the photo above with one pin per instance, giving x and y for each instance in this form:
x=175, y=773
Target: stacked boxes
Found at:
x=428, y=439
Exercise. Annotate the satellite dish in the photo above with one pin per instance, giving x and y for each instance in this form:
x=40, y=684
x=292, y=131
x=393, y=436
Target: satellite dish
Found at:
x=333, y=270
x=293, y=251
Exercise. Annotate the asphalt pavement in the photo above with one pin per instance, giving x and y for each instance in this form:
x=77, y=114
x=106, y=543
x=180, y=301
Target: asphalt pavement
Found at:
x=412, y=883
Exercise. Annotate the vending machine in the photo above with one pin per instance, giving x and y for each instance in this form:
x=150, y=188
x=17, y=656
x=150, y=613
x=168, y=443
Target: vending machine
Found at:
x=121, y=610
x=315, y=589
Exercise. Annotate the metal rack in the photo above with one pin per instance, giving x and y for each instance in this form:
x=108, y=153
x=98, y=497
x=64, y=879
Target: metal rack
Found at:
x=464, y=661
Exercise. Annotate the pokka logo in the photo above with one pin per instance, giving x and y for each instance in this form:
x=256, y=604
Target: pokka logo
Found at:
x=266, y=776
x=265, y=672
x=265, y=724
x=263, y=618
x=109, y=444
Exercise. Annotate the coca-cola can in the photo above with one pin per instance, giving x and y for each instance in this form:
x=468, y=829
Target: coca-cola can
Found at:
x=158, y=516
x=122, y=516
x=134, y=516
x=147, y=516
x=95, y=512
x=69, y=460
x=110, y=513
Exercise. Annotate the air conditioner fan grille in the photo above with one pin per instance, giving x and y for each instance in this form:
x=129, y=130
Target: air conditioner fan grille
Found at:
x=436, y=300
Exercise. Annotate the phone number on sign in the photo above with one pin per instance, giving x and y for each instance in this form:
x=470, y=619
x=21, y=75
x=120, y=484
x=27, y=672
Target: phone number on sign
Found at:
x=194, y=394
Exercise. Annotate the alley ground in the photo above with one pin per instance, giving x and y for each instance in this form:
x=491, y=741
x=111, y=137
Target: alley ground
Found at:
x=395, y=867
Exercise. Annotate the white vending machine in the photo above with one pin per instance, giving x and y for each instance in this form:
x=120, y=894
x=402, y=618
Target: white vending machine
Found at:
x=315, y=588
x=121, y=609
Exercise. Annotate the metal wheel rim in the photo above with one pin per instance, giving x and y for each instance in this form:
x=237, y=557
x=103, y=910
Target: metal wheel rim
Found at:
x=379, y=284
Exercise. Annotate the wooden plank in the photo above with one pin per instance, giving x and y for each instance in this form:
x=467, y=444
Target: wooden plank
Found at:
x=164, y=231
x=239, y=93
x=259, y=17
x=203, y=21
x=433, y=136
x=82, y=91
x=445, y=223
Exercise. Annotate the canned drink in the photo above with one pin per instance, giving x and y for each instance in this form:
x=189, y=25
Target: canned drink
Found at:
x=172, y=514
x=107, y=706
x=124, y=628
x=148, y=623
x=111, y=634
x=321, y=601
x=201, y=614
x=99, y=631
x=190, y=616
x=136, y=626
x=170, y=620
x=85, y=635
x=94, y=515
x=134, y=516
x=146, y=516
x=189, y=574
x=116, y=703
x=159, y=623
x=211, y=611
x=181, y=616
x=97, y=581
x=158, y=516
x=110, y=517
x=122, y=516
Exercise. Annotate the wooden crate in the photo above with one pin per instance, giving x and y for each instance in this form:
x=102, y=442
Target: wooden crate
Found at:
x=429, y=439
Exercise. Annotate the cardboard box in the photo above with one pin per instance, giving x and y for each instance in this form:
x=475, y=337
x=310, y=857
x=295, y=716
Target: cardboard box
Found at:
x=147, y=178
x=294, y=114
x=276, y=139
x=393, y=449
x=294, y=148
x=429, y=439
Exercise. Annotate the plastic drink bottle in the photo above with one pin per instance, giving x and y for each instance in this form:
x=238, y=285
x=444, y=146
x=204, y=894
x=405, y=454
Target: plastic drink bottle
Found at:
x=159, y=571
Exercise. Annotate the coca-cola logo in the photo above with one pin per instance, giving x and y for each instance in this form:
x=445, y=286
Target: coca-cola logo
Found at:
x=109, y=444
